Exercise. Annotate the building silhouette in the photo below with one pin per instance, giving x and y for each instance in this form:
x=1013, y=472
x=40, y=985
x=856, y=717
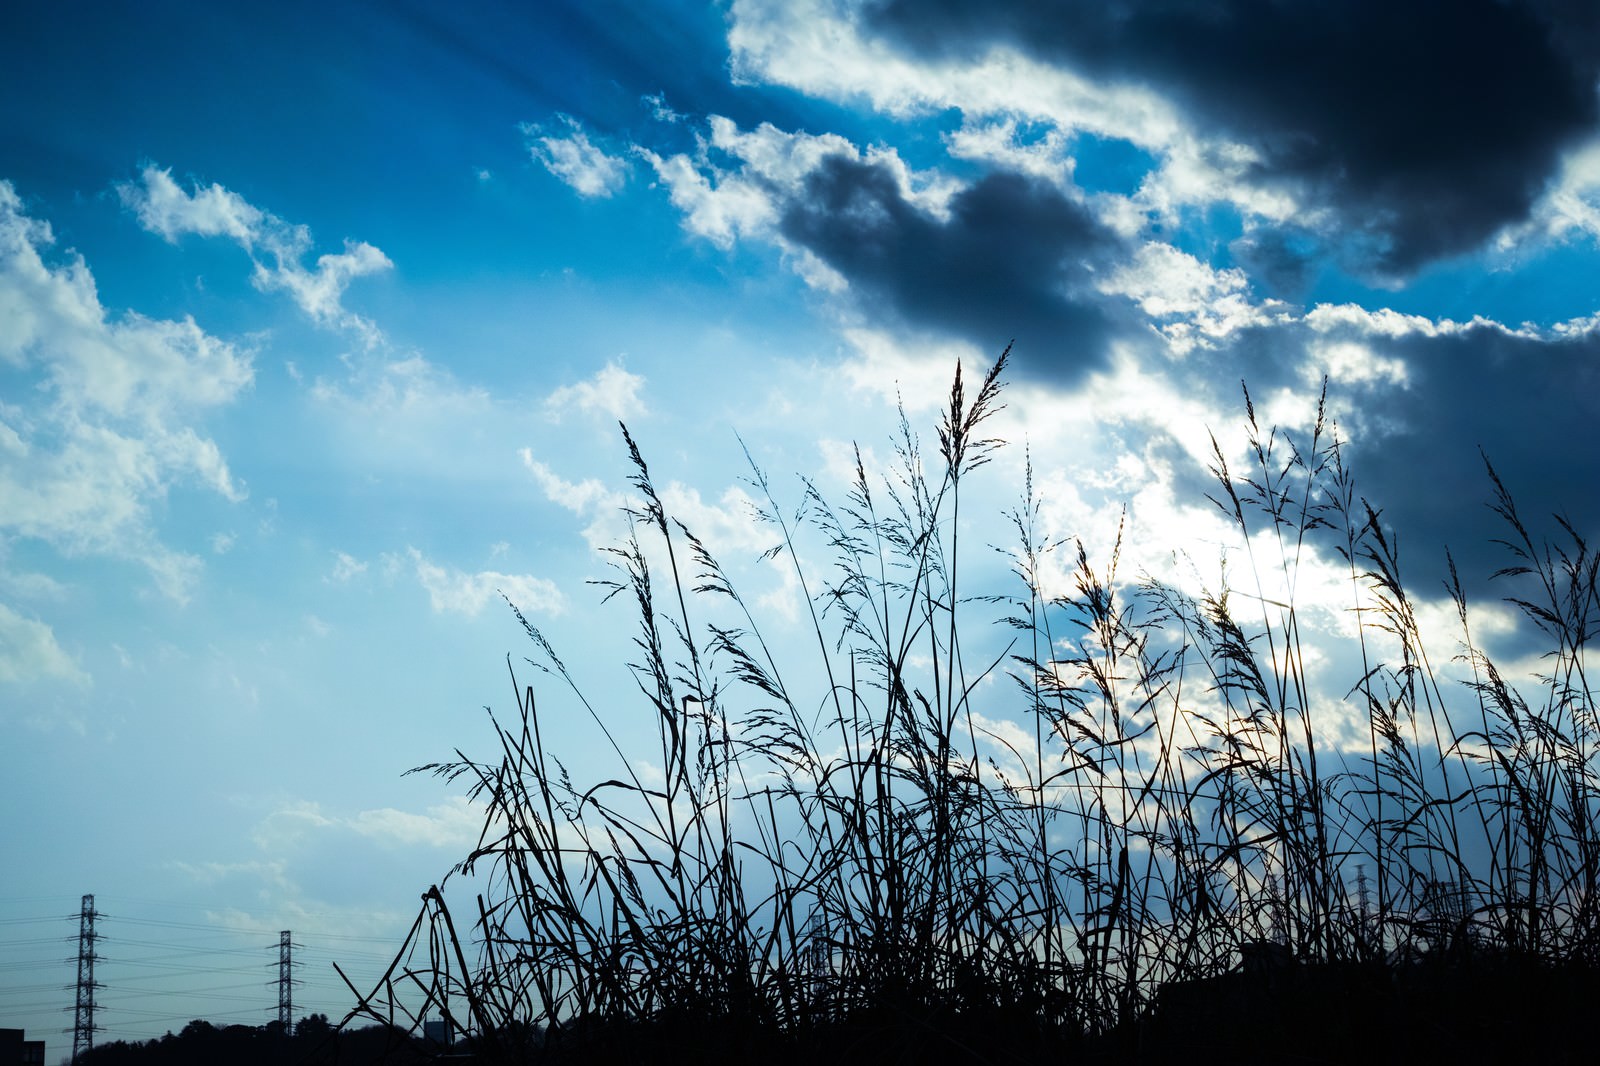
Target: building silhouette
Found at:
x=17, y=1050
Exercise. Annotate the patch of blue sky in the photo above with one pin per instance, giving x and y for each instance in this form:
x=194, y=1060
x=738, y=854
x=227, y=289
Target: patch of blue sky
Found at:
x=140, y=272
x=1544, y=284
x=922, y=140
x=1205, y=232
x=1108, y=164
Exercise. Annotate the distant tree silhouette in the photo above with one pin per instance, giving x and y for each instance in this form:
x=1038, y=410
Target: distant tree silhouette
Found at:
x=314, y=1042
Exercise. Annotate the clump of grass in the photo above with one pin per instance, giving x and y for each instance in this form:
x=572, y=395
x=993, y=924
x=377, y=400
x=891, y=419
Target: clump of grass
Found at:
x=863, y=861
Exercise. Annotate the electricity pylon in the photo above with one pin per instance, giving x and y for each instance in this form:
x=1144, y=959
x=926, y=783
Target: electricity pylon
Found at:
x=83, y=1027
x=285, y=982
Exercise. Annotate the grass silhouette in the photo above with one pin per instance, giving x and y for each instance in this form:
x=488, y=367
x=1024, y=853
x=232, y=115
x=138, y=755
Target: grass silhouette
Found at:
x=1165, y=860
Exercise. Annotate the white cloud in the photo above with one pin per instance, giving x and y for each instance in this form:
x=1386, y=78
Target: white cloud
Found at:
x=1197, y=172
x=579, y=497
x=1352, y=363
x=1384, y=322
x=468, y=594
x=574, y=159
x=454, y=824
x=779, y=160
x=613, y=392
x=11, y=441
x=345, y=567
x=289, y=823
x=590, y=499
x=817, y=47
x=908, y=369
x=1165, y=281
x=29, y=586
x=1570, y=204
x=320, y=292
x=276, y=247
x=114, y=425
x=1576, y=327
x=162, y=207
x=737, y=183
x=29, y=652
x=1387, y=323
x=271, y=872
x=409, y=390
x=719, y=211
x=727, y=527
x=659, y=108
x=1000, y=142
x=821, y=48
x=1198, y=304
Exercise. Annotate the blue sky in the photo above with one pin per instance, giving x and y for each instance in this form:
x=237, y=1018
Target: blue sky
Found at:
x=316, y=324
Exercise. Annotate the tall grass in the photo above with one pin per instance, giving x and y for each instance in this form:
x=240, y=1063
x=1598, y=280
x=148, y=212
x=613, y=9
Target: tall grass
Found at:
x=885, y=842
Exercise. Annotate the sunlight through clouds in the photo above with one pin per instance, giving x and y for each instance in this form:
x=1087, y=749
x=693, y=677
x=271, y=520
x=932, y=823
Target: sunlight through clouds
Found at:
x=819, y=47
x=1194, y=304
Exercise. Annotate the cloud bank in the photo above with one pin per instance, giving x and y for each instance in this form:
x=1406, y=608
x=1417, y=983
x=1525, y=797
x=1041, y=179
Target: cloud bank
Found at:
x=119, y=423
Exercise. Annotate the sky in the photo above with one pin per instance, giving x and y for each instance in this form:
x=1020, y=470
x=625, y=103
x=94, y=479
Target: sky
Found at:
x=317, y=322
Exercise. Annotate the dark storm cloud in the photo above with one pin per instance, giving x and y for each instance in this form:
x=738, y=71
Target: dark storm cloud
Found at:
x=1527, y=404
x=1283, y=261
x=1425, y=127
x=1015, y=259
x=1530, y=405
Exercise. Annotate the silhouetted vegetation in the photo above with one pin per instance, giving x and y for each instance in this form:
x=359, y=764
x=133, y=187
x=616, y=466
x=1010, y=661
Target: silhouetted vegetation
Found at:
x=313, y=1042
x=1131, y=833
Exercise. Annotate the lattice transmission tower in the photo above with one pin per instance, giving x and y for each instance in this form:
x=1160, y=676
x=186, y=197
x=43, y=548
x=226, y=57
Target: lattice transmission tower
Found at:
x=286, y=982
x=83, y=1027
